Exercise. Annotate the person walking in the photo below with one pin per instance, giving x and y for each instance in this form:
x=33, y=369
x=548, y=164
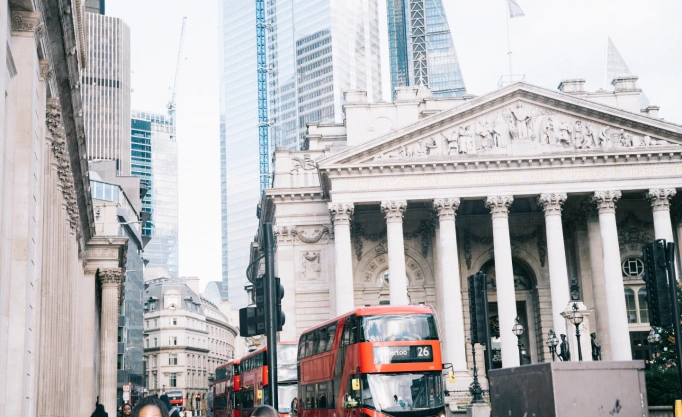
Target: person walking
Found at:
x=172, y=411
x=99, y=411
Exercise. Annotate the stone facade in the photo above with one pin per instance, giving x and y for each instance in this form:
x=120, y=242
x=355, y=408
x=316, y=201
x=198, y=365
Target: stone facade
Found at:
x=550, y=193
x=55, y=272
x=186, y=338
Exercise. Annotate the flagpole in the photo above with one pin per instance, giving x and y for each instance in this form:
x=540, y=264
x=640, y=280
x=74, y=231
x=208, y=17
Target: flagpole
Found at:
x=509, y=50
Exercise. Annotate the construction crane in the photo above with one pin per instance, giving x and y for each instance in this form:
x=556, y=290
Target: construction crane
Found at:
x=171, y=103
x=263, y=123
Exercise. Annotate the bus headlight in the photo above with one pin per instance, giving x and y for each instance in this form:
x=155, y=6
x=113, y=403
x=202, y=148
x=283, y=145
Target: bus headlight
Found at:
x=442, y=414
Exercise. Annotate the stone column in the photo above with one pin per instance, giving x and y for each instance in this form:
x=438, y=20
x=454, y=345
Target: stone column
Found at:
x=506, y=295
x=111, y=285
x=598, y=288
x=450, y=286
x=613, y=277
x=341, y=214
x=660, y=204
x=394, y=210
x=86, y=362
x=556, y=255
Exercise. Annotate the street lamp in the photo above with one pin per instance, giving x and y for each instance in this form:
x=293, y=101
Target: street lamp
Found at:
x=518, y=331
x=654, y=338
x=552, y=342
x=576, y=318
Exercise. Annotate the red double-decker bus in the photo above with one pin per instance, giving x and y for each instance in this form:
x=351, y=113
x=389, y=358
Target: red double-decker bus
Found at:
x=226, y=390
x=254, y=379
x=372, y=362
x=175, y=397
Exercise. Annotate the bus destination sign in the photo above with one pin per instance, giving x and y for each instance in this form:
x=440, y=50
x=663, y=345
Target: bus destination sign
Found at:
x=402, y=354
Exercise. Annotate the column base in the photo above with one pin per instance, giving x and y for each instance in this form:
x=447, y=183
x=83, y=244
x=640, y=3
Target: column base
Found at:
x=478, y=410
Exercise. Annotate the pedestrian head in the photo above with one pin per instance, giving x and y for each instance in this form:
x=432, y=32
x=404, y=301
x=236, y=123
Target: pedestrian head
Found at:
x=150, y=407
x=99, y=411
x=127, y=409
x=265, y=411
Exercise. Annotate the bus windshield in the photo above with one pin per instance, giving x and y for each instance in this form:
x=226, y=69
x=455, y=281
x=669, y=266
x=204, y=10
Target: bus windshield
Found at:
x=286, y=394
x=286, y=363
x=402, y=392
x=406, y=327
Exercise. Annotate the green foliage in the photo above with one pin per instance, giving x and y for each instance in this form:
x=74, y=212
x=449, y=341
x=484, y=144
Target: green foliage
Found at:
x=662, y=387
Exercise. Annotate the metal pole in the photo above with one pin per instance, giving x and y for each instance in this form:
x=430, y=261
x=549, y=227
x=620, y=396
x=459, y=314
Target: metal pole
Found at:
x=509, y=50
x=577, y=335
x=519, y=346
x=270, y=312
x=670, y=263
x=476, y=391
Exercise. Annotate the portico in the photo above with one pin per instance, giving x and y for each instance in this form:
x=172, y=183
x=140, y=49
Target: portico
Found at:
x=550, y=194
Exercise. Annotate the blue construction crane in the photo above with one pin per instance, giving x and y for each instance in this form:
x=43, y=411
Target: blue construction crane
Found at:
x=263, y=124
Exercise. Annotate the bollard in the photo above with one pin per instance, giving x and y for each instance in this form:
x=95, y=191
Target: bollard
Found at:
x=678, y=408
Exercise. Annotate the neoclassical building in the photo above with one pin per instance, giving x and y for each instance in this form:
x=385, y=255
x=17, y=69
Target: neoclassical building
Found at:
x=60, y=282
x=186, y=338
x=551, y=193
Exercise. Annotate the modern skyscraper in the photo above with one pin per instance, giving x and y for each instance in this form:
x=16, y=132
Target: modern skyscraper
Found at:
x=421, y=48
x=94, y=6
x=106, y=90
x=155, y=161
x=317, y=49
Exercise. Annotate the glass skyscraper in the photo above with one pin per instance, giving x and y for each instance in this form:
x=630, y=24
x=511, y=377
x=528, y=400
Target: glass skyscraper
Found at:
x=421, y=50
x=154, y=159
x=316, y=50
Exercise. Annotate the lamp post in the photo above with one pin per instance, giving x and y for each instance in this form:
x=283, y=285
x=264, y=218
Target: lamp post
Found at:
x=654, y=338
x=552, y=342
x=577, y=318
x=518, y=331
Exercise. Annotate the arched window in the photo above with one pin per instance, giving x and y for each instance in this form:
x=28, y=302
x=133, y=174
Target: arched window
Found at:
x=630, y=305
x=643, y=305
x=632, y=268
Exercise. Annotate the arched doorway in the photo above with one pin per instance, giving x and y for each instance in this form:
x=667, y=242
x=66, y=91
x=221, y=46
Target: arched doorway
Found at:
x=524, y=286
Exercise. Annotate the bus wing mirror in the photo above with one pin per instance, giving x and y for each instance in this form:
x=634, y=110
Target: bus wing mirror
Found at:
x=446, y=393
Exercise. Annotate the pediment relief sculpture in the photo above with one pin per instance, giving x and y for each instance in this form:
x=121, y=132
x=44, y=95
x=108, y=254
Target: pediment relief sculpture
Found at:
x=520, y=129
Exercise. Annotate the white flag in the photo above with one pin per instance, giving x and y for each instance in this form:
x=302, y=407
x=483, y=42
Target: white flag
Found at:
x=514, y=9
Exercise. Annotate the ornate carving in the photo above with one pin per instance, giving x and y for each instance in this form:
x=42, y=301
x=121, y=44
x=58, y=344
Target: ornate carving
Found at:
x=53, y=115
x=318, y=234
x=393, y=210
x=45, y=69
x=446, y=208
x=305, y=162
x=499, y=205
x=110, y=277
x=424, y=232
x=606, y=200
x=341, y=213
x=633, y=232
x=552, y=202
x=311, y=265
x=25, y=21
x=575, y=289
x=660, y=198
x=538, y=235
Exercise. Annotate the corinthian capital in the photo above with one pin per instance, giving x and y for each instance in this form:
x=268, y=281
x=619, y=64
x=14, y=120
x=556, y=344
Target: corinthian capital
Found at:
x=340, y=213
x=393, y=210
x=110, y=277
x=499, y=205
x=23, y=21
x=552, y=202
x=660, y=198
x=446, y=208
x=606, y=200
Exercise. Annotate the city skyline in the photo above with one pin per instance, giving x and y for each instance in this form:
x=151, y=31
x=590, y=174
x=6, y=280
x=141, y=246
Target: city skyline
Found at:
x=575, y=38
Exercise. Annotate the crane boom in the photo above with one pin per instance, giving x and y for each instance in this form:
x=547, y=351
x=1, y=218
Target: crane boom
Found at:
x=171, y=103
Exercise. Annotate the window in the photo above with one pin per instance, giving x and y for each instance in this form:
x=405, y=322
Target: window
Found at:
x=173, y=359
x=632, y=268
x=146, y=343
x=174, y=321
x=156, y=380
x=173, y=380
x=630, y=305
x=643, y=305
x=156, y=323
x=173, y=341
x=155, y=343
x=120, y=335
x=119, y=362
x=152, y=305
x=637, y=305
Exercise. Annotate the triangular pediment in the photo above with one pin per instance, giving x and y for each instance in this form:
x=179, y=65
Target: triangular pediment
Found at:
x=518, y=120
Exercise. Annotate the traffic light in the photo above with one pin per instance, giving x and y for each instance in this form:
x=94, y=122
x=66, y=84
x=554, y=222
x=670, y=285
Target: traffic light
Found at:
x=478, y=307
x=281, y=318
x=656, y=278
x=252, y=319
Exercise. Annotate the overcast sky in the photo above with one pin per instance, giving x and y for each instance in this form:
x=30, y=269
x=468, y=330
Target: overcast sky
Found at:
x=556, y=39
